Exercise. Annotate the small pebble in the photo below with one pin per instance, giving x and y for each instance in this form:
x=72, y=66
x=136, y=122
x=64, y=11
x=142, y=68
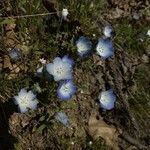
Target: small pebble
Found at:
x=72, y=143
x=90, y=143
x=136, y=16
x=145, y=59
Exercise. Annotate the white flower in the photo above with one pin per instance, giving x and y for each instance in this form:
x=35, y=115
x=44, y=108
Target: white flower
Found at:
x=66, y=90
x=61, y=69
x=63, y=118
x=65, y=13
x=39, y=72
x=84, y=46
x=105, y=48
x=148, y=32
x=108, y=31
x=25, y=100
x=107, y=99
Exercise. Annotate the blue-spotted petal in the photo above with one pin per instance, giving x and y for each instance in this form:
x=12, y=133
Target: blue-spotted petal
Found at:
x=68, y=60
x=66, y=90
x=50, y=68
x=61, y=69
x=25, y=100
x=107, y=99
x=84, y=46
x=105, y=48
x=108, y=31
x=62, y=117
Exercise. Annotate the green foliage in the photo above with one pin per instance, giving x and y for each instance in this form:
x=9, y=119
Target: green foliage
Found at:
x=142, y=93
x=139, y=100
x=10, y=88
x=131, y=36
x=86, y=13
x=7, y=21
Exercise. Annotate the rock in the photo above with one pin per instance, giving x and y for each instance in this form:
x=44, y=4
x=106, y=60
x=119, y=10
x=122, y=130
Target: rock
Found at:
x=136, y=16
x=145, y=59
x=98, y=128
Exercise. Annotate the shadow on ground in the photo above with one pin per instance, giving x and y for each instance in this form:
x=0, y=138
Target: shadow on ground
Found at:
x=6, y=139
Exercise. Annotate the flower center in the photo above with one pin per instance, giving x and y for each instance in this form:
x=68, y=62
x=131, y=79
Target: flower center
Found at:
x=24, y=101
x=65, y=88
x=101, y=49
x=105, y=99
x=59, y=70
x=82, y=47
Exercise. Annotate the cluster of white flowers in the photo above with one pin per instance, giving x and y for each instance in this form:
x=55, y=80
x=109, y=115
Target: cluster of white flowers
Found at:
x=105, y=49
x=104, y=46
x=62, y=68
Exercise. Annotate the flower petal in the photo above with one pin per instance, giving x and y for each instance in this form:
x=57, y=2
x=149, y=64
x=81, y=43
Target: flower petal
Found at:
x=66, y=90
x=105, y=48
x=108, y=31
x=63, y=118
x=50, y=68
x=61, y=69
x=84, y=46
x=68, y=60
x=107, y=99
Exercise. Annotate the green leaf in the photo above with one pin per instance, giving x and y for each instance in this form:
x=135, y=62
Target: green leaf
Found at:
x=42, y=118
x=41, y=128
x=7, y=21
x=38, y=5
